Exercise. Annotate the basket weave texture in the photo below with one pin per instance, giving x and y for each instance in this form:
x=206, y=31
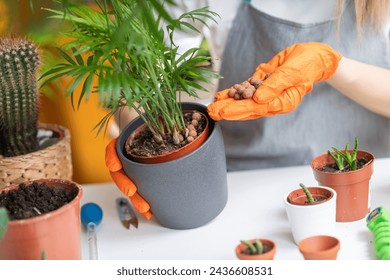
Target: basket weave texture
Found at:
x=51, y=162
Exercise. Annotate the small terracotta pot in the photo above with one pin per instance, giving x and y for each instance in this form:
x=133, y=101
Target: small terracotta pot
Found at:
x=185, y=150
x=269, y=255
x=298, y=196
x=56, y=233
x=319, y=247
x=353, y=190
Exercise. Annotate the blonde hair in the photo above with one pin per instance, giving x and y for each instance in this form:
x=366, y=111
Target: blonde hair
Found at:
x=373, y=12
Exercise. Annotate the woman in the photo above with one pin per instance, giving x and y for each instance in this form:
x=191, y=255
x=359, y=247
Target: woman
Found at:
x=340, y=56
x=354, y=100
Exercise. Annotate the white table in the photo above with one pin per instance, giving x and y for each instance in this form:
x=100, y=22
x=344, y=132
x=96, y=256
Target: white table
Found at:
x=254, y=209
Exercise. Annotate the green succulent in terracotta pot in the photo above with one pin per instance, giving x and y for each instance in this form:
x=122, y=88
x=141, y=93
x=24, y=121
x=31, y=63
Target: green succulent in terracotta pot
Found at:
x=256, y=249
x=348, y=172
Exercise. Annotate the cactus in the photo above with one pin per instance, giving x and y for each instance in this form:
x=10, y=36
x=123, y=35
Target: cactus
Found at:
x=19, y=63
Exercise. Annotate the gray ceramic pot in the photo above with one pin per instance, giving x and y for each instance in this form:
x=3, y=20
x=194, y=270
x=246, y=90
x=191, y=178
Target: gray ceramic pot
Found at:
x=187, y=192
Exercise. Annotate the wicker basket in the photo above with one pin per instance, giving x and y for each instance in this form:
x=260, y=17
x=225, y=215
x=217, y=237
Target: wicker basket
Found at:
x=52, y=162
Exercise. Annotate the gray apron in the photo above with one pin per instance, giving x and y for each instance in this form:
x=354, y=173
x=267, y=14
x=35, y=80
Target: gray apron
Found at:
x=324, y=119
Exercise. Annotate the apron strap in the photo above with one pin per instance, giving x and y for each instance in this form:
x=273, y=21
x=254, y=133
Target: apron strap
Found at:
x=247, y=1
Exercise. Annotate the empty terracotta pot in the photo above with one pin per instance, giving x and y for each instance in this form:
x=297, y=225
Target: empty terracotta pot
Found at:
x=319, y=247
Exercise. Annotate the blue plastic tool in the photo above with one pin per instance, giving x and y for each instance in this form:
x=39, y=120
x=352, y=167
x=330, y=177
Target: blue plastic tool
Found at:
x=91, y=216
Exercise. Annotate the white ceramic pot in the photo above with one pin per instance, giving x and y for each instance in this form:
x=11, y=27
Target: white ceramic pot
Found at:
x=312, y=219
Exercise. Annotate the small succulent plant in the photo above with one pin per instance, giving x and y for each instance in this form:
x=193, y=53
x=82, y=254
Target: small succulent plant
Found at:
x=255, y=248
x=19, y=63
x=345, y=158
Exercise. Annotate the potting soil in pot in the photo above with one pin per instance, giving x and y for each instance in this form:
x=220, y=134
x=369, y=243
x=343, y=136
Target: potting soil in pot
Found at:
x=332, y=167
x=145, y=145
x=35, y=199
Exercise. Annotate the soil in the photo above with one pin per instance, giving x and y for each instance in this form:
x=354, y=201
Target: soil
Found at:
x=34, y=200
x=317, y=199
x=332, y=167
x=144, y=144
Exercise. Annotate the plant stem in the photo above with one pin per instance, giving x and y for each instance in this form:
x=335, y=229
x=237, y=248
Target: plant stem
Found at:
x=307, y=193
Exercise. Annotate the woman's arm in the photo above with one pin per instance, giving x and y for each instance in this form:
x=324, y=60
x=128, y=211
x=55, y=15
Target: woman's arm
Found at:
x=365, y=84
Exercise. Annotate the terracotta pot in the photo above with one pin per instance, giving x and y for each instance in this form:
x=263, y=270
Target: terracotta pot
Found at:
x=319, y=247
x=298, y=196
x=353, y=189
x=187, y=192
x=57, y=233
x=311, y=219
x=185, y=150
x=269, y=255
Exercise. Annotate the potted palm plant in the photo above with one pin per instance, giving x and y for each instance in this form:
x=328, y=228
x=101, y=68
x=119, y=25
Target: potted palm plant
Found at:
x=348, y=172
x=28, y=149
x=311, y=211
x=129, y=48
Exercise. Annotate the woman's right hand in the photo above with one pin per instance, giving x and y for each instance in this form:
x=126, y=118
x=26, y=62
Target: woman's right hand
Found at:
x=293, y=73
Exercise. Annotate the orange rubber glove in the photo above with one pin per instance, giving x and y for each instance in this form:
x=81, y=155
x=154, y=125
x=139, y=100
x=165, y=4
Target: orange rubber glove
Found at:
x=293, y=73
x=124, y=183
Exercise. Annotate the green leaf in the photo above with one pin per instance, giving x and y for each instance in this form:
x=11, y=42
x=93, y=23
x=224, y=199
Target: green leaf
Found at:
x=55, y=77
x=251, y=247
x=58, y=69
x=116, y=91
x=338, y=159
x=66, y=56
x=108, y=89
x=103, y=123
x=78, y=57
x=259, y=246
x=4, y=219
x=88, y=87
x=74, y=84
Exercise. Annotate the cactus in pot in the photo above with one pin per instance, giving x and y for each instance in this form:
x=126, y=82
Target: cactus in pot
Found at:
x=29, y=150
x=19, y=64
